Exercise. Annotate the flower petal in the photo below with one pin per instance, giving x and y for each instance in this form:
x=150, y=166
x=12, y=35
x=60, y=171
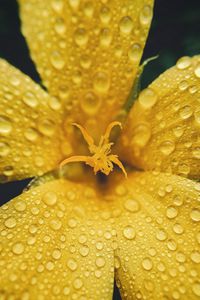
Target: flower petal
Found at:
x=56, y=245
x=87, y=52
x=158, y=236
x=30, y=126
x=163, y=130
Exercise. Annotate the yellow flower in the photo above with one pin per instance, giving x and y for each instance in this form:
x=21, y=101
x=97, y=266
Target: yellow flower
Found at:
x=68, y=237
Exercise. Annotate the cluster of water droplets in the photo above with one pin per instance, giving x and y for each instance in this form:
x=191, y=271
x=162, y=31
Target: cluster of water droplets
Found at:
x=92, y=47
x=165, y=123
x=61, y=238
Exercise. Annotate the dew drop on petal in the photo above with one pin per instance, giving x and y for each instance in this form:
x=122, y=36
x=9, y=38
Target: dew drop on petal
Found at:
x=129, y=233
x=147, y=264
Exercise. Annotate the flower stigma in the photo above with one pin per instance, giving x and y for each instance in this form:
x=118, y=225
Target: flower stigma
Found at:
x=101, y=158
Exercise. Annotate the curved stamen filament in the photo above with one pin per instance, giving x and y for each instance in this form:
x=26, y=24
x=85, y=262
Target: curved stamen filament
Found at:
x=101, y=160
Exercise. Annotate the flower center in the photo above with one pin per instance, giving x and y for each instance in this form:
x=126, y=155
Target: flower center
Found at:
x=101, y=158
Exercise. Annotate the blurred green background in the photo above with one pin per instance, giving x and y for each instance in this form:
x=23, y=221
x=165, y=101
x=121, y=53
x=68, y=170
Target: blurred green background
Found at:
x=175, y=32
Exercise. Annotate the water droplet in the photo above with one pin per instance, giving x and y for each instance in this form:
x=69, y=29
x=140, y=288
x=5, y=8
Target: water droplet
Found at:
x=57, y=5
x=81, y=37
x=47, y=127
x=196, y=288
x=57, y=60
x=20, y=206
x=31, y=134
x=4, y=149
x=183, y=62
x=183, y=85
x=85, y=62
x=126, y=25
x=186, y=112
x=178, y=229
x=84, y=250
x=141, y=135
x=88, y=9
x=74, y=4
x=148, y=98
x=167, y=147
x=10, y=222
x=161, y=235
x=101, y=82
x=18, y=248
x=82, y=239
x=105, y=38
x=55, y=224
x=50, y=265
x=30, y=99
x=105, y=15
x=56, y=254
x=197, y=117
x=195, y=215
x=195, y=152
x=178, y=131
x=50, y=198
x=171, y=212
x=72, y=223
x=129, y=232
x=146, y=15
x=134, y=53
x=197, y=71
x=5, y=126
x=100, y=262
x=72, y=264
x=195, y=257
x=90, y=103
x=60, y=26
x=147, y=264
x=78, y=283
x=171, y=244
x=132, y=205
x=180, y=257
x=15, y=80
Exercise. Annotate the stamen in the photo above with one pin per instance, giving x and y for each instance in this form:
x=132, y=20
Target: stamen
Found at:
x=101, y=160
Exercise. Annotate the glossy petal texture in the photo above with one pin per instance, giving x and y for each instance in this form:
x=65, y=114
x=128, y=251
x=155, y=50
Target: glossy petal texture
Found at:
x=87, y=52
x=31, y=136
x=163, y=130
x=56, y=244
x=158, y=236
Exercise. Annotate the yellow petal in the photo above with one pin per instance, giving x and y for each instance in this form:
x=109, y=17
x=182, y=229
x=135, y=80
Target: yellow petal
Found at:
x=163, y=130
x=158, y=236
x=87, y=52
x=30, y=126
x=55, y=244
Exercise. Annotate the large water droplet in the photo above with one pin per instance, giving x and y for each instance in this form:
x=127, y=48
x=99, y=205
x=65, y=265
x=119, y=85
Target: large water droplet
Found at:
x=146, y=15
x=57, y=60
x=183, y=62
x=90, y=103
x=135, y=52
x=50, y=198
x=5, y=126
x=30, y=99
x=18, y=248
x=126, y=25
x=141, y=135
x=4, y=149
x=10, y=222
x=132, y=205
x=129, y=233
x=147, y=264
x=148, y=98
x=101, y=82
x=81, y=37
x=167, y=147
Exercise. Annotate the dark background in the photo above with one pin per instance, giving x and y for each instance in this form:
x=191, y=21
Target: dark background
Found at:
x=175, y=32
